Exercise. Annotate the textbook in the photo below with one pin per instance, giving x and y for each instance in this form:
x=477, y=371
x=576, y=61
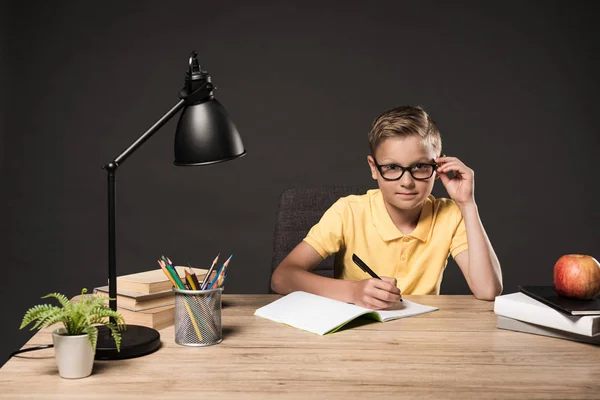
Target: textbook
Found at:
x=548, y=296
x=526, y=327
x=139, y=301
x=157, y=318
x=527, y=309
x=152, y=281
x=322, y=315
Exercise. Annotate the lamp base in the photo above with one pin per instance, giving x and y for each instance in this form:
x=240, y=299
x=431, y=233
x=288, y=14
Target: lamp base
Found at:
x=136, y=341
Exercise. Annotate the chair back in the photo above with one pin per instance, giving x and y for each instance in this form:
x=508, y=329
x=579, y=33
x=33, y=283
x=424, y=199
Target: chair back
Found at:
x=299, y=209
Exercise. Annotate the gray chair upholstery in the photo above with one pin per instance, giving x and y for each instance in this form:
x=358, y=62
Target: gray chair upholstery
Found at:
x=299, y=209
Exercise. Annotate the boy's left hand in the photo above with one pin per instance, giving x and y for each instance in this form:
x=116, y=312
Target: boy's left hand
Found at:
x=461, y=186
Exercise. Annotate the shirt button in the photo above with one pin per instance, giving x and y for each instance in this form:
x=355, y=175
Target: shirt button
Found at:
x=403, y=258
x=406, y=239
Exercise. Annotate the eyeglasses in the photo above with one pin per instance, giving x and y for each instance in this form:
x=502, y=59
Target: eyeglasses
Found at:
x=393, y=172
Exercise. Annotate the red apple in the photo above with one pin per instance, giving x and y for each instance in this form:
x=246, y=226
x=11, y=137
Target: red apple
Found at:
x=577, y=276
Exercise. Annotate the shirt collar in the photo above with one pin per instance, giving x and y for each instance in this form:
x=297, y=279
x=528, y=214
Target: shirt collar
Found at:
x=386, y=227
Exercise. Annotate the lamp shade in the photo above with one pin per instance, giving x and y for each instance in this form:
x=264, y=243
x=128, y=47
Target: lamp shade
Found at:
x=206, y=135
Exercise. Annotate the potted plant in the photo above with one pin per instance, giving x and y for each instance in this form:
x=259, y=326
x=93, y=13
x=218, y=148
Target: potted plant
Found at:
x=75, y=342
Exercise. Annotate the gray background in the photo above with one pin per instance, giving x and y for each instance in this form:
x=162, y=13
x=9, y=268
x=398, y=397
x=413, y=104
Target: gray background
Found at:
x=512, y=85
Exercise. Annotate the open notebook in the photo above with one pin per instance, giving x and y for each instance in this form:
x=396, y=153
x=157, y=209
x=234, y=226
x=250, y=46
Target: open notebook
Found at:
x=323, y=315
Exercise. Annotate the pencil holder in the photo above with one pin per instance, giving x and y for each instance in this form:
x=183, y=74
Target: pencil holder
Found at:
x=198, y=317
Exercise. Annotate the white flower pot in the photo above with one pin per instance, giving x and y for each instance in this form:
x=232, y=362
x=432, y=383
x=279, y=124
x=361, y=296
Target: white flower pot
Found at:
x=74, y=354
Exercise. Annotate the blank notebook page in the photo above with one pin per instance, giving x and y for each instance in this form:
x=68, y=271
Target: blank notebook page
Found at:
x=321, y=315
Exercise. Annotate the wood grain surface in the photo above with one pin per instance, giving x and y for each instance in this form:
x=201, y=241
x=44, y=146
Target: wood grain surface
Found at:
x=456, y=352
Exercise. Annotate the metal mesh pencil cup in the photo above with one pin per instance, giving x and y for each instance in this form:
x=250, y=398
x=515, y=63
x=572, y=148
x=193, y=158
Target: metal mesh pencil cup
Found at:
x=198, y=317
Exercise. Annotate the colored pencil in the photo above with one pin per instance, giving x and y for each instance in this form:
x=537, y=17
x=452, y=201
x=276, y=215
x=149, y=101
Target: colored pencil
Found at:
x=210, y=270
x=187, y=307
x=163, y=266
x=220, y=280
x=171, y=268
x=190, y=280
x=194, y=278
x=196, y=286
x=220, y=272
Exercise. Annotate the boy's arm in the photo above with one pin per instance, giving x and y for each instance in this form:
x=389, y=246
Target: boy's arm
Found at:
x=479, y=264
x=294, y=274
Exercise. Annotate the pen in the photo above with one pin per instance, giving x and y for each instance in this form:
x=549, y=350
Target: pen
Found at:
x=365, y=267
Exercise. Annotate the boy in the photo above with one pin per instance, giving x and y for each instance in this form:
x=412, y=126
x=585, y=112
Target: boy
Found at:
x=400, y=230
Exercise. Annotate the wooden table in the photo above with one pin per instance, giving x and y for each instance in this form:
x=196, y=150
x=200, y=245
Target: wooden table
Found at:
x=455, y=352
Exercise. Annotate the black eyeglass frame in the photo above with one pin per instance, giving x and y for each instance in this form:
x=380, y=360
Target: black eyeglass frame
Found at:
x=404, y=169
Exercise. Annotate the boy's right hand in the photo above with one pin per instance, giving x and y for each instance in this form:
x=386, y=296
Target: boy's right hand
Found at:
x=376, y=294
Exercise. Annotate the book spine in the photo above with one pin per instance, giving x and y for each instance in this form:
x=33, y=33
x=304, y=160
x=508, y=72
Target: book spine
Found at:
x=141, y=307
x=544, y=316
x=526, y=327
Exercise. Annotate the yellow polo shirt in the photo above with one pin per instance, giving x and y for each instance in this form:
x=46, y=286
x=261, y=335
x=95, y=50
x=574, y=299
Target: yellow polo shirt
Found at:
x=362, y=225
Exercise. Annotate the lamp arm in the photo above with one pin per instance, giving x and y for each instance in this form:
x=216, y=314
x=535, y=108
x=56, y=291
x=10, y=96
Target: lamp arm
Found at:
x=111, y=169
x=146, y=135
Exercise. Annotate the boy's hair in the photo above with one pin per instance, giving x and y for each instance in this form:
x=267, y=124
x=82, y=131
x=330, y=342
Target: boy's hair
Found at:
x=403, y=122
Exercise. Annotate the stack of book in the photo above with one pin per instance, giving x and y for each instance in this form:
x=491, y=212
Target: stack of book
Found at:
x=146, y=298
x=539, y=310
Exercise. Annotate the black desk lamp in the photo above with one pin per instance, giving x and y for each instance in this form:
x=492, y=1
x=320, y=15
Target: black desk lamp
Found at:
x=204, y=135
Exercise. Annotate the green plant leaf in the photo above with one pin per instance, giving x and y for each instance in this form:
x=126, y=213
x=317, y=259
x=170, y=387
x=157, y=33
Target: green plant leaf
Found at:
x=77, y=317
x=50, y=318
x=62, y=299
x=36, y=312
x=114, y=332
x=92, y=332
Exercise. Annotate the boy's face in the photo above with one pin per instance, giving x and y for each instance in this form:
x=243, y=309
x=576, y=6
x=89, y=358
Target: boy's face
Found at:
x=406, y=193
